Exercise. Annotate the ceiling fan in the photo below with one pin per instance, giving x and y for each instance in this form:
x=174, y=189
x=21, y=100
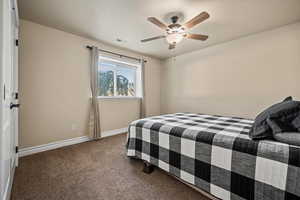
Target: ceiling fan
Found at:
x=176, y=32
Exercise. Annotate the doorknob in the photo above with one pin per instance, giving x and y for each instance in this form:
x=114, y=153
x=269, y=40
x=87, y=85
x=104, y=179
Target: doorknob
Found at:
x=12, y=105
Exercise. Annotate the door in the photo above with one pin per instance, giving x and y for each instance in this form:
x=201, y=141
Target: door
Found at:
x=15, y=88
x=8, y=103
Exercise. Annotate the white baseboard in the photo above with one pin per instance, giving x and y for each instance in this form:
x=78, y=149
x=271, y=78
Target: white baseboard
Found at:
x=54, y=145
x=114, y=132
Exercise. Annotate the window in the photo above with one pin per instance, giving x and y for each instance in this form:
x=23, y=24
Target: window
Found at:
x=118, y=78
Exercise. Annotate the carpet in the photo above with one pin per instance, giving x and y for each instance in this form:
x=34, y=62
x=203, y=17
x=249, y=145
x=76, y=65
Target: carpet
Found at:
x=94, y=171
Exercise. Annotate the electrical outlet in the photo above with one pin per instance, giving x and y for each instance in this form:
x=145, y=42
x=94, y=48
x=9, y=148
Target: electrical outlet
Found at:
x=74, y=127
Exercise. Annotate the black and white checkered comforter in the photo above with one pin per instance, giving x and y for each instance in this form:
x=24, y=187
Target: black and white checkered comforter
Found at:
x=215, y=154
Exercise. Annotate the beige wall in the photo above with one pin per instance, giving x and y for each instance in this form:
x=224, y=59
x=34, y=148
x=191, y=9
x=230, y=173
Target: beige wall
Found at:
x=237, y=78
x=54, y=87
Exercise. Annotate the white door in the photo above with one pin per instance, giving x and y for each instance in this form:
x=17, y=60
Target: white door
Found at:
x=8, y=113
x=15, y=88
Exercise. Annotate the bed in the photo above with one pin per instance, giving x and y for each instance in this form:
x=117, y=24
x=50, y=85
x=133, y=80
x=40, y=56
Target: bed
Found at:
x=215, y=154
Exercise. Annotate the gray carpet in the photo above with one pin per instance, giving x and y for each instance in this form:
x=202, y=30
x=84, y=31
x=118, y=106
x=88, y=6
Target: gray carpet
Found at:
x=92, y=171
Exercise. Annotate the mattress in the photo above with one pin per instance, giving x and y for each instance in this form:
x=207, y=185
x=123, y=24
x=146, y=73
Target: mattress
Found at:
x=215, y=154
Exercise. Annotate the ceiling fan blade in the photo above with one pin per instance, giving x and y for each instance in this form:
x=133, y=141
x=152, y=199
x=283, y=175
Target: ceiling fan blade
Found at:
x=172, y=46
x=197, y=36
x=153, y=38
x=196, y=20
x=157, y=22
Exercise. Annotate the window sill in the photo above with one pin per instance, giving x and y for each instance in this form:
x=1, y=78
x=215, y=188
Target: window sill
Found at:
x=119, y=97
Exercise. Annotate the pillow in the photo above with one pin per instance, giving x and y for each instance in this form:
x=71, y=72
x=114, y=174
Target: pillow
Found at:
x=274, y=126
x=284, y=111
x=288, y=98
x=292, y=138
x=280, y=126
x=296, y=123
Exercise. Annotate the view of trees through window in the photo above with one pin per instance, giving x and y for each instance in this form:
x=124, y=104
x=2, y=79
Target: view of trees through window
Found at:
x=116, y=79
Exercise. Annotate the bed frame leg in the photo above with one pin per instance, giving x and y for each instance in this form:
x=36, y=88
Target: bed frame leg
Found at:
x=148, y=168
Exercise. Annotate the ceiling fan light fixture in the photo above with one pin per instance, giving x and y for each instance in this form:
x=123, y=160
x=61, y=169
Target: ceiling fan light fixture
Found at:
x=175, y=32
x=174, y=38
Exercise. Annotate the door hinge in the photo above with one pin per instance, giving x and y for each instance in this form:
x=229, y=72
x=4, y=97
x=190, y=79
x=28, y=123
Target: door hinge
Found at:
x=17, y=149
x=17, y=42
x=4, y=92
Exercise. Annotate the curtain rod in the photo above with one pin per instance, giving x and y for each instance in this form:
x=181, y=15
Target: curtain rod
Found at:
x=120, y=55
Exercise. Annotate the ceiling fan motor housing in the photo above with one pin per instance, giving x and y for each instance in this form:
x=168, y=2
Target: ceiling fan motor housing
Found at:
x=174, y=19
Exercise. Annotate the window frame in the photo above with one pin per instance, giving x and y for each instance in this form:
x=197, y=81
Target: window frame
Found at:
x=129, y=65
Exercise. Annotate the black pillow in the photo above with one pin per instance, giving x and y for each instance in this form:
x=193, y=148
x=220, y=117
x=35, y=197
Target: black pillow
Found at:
x=280, y=125
x=296, y=123
x=284, y=111
x=292, y=138
x=283, y=132
x=288, y=98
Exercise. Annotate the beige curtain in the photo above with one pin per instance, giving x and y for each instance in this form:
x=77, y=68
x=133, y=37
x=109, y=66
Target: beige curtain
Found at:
x=95, y=127
x=143, y=99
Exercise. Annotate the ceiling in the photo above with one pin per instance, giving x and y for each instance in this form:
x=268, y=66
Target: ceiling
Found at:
x=107, y=20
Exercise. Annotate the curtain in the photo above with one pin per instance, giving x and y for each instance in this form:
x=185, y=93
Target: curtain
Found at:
x=94, y=112
x=143, y=99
